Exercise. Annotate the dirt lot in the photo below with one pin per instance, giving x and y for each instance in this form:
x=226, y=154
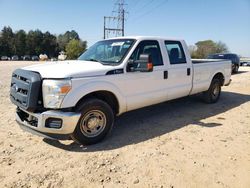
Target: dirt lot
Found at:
x=182, y=143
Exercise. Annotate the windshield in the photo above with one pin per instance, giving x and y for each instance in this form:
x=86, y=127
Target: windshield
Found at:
x=108, y=51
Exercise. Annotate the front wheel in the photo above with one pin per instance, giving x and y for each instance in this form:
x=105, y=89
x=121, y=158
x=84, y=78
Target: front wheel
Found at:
x=96, y=121
x=212, y=95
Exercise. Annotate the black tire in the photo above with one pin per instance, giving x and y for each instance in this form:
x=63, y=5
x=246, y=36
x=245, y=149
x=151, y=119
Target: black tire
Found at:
x=235, y=69
x=96, y=121
x=212, y=95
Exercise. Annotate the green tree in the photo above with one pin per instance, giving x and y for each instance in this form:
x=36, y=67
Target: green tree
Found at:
x=1, y=45
x=49, y=45
x=20, y=42
x=192, y=50
x=203, y=48
x=34, y=42
x=74, y=48
x=64, y=39
x=6, y=42
x=221, y=47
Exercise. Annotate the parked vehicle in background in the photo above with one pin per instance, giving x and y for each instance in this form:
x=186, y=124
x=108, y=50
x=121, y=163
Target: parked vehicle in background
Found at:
x=35, y=58
x=62, y=56
x=233, y=57
x=43, y=57
x=245, y=63
x=4, y=58
x=14, y=58
x=53, y=59
x=80, y=98
x=26, y=58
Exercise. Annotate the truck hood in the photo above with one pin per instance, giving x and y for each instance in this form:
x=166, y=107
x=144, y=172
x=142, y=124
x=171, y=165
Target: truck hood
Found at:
x=70, y=69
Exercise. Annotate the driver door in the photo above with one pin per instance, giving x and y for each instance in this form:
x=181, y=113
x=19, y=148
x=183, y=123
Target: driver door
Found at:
x=145, y=88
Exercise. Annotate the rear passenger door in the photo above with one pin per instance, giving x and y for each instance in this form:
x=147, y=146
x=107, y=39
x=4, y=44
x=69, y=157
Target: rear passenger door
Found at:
x=179, y=71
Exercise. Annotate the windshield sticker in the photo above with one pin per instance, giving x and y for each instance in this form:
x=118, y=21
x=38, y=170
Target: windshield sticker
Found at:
x=117, y=44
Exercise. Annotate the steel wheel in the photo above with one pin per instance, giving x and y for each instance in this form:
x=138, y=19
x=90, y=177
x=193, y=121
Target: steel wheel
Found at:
x=212, y=95
x=216, y=91
x=96, y=121
x=93, y=123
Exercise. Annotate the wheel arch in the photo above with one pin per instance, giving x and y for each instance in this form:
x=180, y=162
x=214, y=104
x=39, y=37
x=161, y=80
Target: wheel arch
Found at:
x=220, y=76
x=104, y=95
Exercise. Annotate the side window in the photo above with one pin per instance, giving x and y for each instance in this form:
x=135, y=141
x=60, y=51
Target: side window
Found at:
x=175, y=52
x=148, y=47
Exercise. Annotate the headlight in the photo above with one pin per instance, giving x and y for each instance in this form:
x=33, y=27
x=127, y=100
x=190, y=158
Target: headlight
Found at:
x=54, y=92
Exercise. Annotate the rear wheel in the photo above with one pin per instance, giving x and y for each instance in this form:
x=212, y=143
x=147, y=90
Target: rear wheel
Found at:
x=96, y=121
x=235, y=69
x=212, y=95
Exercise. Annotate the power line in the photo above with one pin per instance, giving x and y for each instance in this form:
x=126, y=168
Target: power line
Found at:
x=138, y=8
x=151, y=10
x=134, y=5
x=147, y=4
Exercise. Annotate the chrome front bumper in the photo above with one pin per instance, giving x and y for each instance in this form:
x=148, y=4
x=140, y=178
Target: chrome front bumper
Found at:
x=35, y=122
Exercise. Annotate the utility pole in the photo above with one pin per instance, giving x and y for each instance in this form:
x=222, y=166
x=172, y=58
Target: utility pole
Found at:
x=118, y=20
x=123, y=22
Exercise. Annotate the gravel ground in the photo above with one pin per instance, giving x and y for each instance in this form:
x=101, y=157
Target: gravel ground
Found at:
x=181, y=143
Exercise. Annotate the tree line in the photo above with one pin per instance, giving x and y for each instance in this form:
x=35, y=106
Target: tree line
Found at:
x=36, y=42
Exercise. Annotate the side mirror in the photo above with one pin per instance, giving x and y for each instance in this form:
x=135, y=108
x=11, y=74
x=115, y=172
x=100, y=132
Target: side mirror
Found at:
x=144, y=64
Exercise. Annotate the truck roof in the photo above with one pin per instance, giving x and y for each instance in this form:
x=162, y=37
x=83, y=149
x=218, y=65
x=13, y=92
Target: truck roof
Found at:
x=146, y=38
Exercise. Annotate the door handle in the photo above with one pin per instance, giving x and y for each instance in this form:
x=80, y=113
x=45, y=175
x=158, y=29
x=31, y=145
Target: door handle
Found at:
x=165, y=74
x=188, y=71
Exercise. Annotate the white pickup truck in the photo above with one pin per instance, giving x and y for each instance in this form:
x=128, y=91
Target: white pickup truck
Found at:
x=79, y=99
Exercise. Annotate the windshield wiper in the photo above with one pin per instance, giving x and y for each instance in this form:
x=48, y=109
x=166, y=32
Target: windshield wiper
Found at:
x=95, y=60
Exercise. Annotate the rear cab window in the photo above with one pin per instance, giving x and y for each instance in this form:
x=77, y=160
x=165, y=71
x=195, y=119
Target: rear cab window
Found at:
x=175, y=52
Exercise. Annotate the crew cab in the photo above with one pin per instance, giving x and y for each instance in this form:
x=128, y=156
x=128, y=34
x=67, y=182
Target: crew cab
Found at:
x=80, y=98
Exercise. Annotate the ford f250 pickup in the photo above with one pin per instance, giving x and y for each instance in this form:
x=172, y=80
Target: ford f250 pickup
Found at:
x=80, y=98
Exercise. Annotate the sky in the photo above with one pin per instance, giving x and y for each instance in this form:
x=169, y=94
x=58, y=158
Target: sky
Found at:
x=192, y=20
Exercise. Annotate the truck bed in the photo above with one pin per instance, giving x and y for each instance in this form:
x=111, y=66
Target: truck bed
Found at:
x=205, y=69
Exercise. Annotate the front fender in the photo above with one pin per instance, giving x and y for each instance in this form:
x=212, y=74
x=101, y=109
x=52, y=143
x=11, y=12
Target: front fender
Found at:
x=79, y=90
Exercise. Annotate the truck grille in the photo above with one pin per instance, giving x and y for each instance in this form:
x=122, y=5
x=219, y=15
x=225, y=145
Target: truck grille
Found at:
x=25, y=89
